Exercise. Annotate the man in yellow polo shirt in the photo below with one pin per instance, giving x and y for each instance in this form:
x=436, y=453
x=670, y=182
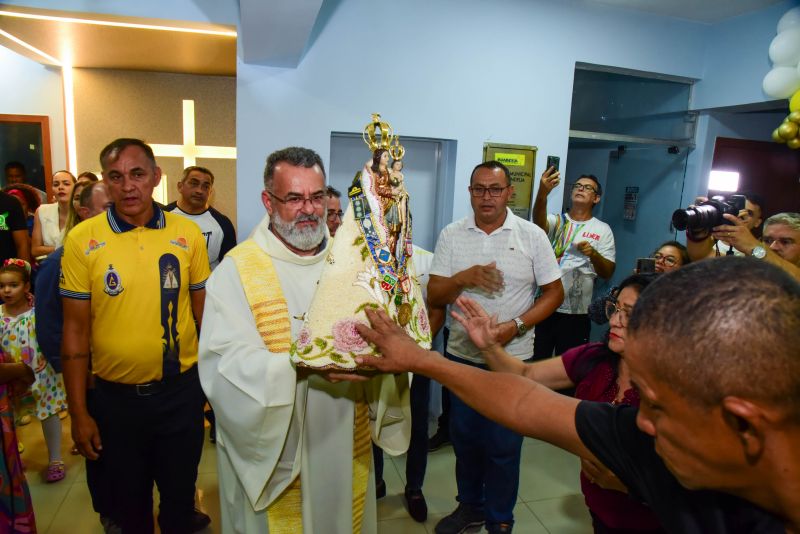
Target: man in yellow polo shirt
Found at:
x=133, y=285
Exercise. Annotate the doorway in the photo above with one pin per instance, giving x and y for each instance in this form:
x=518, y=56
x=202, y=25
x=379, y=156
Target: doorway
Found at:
x=429, y=170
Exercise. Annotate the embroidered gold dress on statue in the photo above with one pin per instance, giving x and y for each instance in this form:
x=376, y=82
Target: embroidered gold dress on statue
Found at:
x=369, y=266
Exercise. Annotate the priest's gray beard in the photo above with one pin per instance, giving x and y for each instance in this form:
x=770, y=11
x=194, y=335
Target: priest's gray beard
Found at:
x=307, y=238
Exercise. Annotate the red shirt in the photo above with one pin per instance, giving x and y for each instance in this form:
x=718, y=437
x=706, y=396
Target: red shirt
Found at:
x=593, y=370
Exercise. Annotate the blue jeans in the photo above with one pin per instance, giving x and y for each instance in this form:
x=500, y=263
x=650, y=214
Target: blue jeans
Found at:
x=487, y=459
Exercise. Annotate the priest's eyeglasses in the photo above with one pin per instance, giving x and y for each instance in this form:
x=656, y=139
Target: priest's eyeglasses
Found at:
x=495, y=191
x=298, y=201
x=612, y=307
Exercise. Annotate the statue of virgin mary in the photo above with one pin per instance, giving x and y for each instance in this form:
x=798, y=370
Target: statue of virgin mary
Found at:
x=370, y=264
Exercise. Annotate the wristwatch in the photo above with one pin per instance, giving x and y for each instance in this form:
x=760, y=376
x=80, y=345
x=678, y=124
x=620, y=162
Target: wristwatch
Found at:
x=758, y=252
x=521, y=328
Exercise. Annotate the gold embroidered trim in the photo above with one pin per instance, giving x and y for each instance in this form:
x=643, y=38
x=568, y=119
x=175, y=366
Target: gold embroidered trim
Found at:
x=271, y=313
x=263, y=291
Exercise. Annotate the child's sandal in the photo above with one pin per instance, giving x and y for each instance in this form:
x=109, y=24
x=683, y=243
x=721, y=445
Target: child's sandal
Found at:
x=55, y=471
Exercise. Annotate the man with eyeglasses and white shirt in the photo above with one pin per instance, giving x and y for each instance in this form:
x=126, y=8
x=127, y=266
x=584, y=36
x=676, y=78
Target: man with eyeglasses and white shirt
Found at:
x=497, y=259
x=584, y=249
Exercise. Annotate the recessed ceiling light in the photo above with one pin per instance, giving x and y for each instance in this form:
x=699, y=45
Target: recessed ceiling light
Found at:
x=53, y=18
x=30, y=47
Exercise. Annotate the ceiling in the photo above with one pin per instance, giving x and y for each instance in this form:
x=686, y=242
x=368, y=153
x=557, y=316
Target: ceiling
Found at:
x=273, y=33
x=708, y=11
x=108, y=41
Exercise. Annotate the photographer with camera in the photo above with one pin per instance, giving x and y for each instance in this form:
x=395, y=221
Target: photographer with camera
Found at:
x=702, y=217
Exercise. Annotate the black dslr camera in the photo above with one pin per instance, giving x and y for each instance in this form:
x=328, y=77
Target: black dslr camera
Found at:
x=708, y=214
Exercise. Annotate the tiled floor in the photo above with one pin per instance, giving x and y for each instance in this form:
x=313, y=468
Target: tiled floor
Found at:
x=549, y=494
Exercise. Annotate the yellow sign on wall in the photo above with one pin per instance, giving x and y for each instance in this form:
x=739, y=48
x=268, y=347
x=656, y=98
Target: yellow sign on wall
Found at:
x=510, y=160
x=521, y=161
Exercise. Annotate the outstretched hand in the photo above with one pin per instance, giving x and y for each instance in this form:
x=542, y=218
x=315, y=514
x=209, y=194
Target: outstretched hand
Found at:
x=482, y=329
x=398, y=351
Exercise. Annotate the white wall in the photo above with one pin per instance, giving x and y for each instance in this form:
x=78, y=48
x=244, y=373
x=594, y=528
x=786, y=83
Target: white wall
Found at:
x=737, y=58
x=467, y=70
x=30, y=88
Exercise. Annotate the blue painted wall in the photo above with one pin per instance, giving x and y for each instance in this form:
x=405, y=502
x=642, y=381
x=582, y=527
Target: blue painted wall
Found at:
x=466, y=70
x=737, y=58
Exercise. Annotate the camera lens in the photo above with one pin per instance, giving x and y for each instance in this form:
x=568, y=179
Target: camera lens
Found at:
x=702, y=216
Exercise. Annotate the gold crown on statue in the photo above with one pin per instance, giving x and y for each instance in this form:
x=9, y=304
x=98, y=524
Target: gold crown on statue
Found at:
x=378, y=134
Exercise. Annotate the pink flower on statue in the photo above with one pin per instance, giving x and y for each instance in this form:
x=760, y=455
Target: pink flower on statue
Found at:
x=422, y=320
x=304, y=339
x=345, y=336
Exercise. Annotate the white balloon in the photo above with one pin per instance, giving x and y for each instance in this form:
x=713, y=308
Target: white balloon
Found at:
x=781, y=82
x=785, y=48
x=790, y=19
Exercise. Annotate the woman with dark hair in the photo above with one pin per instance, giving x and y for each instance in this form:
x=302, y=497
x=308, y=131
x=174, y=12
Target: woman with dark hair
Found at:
x=88, y=176
x=669, y=256
x=598, y=373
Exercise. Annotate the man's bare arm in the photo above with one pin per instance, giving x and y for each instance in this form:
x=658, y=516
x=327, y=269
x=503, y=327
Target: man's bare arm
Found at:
x=526, y=407
x=436, y=317
x=700, y=248
x=198, y=297
x=75, y=355
x=602, y=266
x=740, y=237
x=550, y=179
x=484, y=332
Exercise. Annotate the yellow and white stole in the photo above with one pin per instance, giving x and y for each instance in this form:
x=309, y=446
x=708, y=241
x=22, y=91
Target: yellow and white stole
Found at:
x=271, y=313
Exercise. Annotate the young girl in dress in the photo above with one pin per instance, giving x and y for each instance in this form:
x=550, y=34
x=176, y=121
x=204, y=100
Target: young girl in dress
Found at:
x=16, y=509
x=18, y=344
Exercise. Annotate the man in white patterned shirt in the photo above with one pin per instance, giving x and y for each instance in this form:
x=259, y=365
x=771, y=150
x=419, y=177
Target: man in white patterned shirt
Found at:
x=584, y=249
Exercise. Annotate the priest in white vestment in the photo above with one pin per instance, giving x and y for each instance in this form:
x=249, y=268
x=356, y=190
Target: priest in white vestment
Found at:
x=290, y=457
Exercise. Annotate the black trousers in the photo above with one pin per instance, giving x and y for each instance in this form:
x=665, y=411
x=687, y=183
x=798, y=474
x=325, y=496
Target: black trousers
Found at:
x=95, y=478
x=150, y=438
x=417, y=456
x=560, y=332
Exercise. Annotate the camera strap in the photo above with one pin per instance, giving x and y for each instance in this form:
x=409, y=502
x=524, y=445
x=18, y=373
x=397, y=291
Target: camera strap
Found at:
x=728, y=253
